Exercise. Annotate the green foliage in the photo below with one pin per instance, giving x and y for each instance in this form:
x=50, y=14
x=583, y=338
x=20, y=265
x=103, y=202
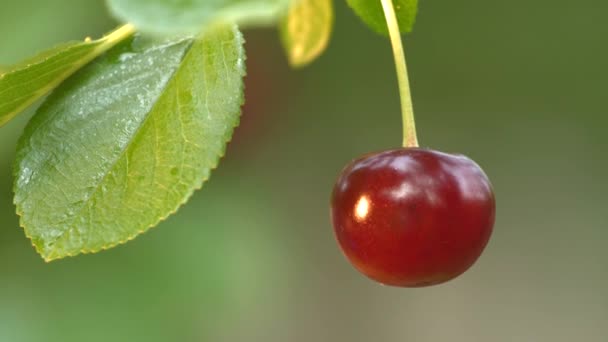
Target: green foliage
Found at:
x=23, y=84
x=125, y=141
x=306, y=30
x=372, y=14
x=171, y=16
x=135, y=125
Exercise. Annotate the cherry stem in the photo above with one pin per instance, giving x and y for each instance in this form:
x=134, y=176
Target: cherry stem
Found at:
x=407, y=111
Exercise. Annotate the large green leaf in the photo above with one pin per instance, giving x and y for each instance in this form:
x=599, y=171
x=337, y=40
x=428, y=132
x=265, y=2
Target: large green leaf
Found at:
x=190, y=16
x=306, y=30
x=125, y=141
x=370, y=11
x=23, y=84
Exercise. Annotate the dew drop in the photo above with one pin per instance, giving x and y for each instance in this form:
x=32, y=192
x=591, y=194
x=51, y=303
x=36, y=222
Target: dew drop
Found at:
x=126, y=56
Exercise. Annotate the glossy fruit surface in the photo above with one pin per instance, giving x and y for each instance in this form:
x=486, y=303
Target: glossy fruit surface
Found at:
x=412, y=217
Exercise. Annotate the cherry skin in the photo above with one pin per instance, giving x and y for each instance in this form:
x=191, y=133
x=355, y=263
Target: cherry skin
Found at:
x=412, y=217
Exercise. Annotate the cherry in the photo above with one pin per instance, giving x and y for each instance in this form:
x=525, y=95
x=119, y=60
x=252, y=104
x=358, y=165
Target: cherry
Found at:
x=412, y=217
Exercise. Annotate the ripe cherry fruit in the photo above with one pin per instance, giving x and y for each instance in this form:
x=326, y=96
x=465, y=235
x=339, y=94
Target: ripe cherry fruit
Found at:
x=412, y=217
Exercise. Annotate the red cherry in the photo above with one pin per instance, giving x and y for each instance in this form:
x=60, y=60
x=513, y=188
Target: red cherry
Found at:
x=412, y=217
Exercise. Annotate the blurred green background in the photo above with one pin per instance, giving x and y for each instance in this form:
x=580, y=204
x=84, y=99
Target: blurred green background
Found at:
x=519, y=86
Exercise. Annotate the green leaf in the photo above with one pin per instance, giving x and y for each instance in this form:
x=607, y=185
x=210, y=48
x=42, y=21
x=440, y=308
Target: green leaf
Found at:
x=125, y=142
x=190, y=16
x=372, y=14
x=306, y=30
x=23, y=84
